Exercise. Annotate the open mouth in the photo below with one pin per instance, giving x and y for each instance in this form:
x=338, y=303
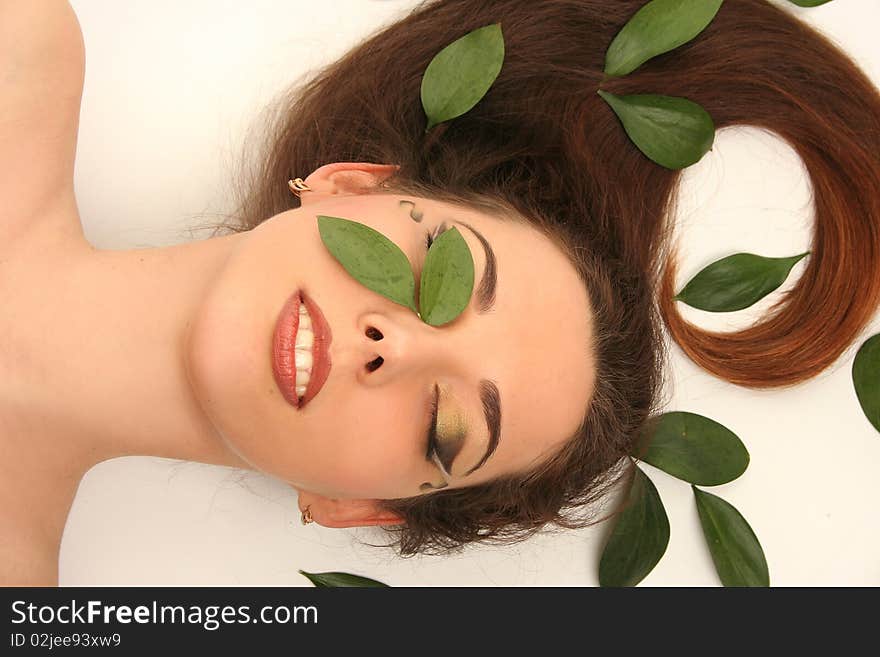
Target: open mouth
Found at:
x=300, y=349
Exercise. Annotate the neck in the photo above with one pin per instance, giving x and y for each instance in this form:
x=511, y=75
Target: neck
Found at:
x=97, y=370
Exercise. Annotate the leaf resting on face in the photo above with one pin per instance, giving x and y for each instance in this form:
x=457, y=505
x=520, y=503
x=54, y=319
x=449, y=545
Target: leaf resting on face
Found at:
x=371, y=258
x=447, y=279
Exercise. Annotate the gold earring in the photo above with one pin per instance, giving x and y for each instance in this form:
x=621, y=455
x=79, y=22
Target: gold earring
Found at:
x=306, y=516
x=297, y=185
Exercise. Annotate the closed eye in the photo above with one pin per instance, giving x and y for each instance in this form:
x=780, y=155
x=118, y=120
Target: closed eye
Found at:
x=430, y=236
x=431, y=454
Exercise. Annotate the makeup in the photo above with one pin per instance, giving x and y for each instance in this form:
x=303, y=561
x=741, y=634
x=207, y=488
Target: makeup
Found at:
x=414, y=214
x=316, y=359
x=451, y=431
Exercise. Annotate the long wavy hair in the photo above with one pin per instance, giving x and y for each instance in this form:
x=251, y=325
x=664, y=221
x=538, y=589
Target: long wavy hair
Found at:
x=543, y=147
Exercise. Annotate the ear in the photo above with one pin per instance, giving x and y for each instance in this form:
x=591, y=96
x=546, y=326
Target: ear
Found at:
x=347, y=178
x=331, y=512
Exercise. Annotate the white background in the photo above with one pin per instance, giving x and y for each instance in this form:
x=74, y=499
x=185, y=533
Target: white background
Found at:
x=170, y=89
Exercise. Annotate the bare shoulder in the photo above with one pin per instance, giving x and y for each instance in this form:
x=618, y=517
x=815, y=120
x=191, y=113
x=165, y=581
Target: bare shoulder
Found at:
x=28, y=557
x=27, y=561
x=42, y=69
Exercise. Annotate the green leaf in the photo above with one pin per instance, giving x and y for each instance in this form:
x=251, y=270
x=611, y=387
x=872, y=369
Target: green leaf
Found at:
x=866, y=379
x=696, y=449
x=340, y=579
x=658, y=27
x=460, y=75
x=639, y=538
x=809, y=3
x=673, y=132
x=369, y=256
x=447, y=279
x=736, y=282
x=735, y=549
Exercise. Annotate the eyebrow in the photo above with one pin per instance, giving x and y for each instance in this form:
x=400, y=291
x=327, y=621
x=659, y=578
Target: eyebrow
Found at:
x=490, y=397
x=491, y=401
x=489, y=281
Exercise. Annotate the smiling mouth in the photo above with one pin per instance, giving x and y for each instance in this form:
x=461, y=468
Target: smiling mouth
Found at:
x=300, y=349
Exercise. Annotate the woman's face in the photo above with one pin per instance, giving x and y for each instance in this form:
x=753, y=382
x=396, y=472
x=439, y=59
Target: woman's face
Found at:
x=364, y=434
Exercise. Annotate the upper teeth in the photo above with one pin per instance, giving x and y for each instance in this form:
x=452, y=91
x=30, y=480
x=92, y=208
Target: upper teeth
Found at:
x=305, y=338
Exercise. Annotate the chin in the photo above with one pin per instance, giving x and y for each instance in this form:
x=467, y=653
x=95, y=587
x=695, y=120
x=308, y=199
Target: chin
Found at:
x=227, y=363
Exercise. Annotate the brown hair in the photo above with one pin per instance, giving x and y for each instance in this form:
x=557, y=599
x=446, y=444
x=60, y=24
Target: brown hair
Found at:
x=544, y=146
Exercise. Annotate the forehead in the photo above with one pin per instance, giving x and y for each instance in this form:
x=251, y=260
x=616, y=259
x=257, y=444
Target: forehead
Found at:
x=535, y=344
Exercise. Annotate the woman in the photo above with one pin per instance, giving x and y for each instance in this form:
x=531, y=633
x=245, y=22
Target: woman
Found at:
x=534, y=171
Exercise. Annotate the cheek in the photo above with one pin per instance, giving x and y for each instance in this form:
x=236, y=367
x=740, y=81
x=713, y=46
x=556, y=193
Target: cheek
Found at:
x=361, y=452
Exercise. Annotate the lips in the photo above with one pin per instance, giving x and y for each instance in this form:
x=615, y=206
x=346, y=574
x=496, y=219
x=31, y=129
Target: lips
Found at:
x=284, y=354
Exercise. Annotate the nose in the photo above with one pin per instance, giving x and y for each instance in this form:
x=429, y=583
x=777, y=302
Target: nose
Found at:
x=393, y=345
x=374, y=334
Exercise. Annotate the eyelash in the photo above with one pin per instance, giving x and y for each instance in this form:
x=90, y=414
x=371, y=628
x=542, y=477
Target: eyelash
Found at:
x=431, y=236
x=431, y=452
